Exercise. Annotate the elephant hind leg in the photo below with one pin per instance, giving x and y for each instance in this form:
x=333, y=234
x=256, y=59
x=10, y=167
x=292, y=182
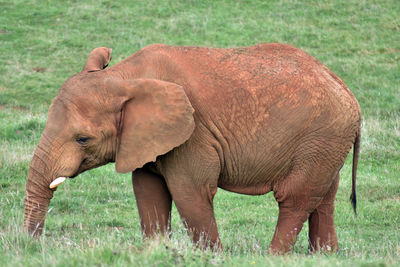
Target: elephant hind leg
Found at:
x=292, y=213
x=322, y=234
x=290, y=223
x=299, y=195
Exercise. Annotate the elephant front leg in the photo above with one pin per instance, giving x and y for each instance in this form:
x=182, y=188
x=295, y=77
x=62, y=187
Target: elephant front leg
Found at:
x=196, y=210
x=154, y=202
x=192, y=173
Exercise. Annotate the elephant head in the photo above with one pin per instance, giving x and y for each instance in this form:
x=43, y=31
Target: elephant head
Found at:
x=98, y=117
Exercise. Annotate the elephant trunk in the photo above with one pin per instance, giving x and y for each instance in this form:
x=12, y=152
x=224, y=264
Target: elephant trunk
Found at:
x=37, y=194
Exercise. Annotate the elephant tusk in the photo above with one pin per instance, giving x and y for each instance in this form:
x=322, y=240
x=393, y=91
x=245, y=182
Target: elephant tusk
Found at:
x=57, y=182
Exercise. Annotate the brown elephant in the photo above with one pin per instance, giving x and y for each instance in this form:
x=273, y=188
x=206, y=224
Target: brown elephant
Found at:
x=187, y=120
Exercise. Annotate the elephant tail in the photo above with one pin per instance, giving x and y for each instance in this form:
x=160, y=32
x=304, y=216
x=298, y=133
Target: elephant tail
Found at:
x=356, y=153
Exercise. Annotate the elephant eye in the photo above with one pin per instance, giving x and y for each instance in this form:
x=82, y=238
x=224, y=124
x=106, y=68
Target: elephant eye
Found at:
x=82, y=140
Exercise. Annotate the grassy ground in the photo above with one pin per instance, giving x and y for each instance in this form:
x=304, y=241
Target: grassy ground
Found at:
x=93, y=219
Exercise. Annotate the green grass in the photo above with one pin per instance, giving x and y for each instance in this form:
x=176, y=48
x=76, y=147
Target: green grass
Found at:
x=93, y=219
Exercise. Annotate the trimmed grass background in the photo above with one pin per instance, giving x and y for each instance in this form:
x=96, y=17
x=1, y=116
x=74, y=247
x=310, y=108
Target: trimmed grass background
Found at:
x=93, y=219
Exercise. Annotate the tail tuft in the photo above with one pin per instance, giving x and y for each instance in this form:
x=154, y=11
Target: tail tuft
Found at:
x=356, y=153
x=353, y=199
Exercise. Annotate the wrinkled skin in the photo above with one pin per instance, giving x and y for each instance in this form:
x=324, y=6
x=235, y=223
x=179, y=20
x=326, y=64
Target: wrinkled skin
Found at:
x=188, y=120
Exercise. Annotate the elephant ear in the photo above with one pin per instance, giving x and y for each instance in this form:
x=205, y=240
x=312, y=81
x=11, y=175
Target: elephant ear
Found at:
x=156, y=117
x=98, y=59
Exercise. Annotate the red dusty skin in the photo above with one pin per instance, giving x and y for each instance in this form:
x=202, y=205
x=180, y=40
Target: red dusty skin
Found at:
x=186, y=120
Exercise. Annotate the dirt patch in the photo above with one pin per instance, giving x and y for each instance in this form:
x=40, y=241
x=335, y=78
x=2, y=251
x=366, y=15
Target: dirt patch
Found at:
x=39, y=69
x=15, y=108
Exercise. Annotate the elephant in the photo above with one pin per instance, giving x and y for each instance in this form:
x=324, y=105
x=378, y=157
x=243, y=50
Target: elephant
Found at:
x=189, y=120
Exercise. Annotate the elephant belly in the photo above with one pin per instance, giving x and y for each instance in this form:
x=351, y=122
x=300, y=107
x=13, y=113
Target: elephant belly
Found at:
x=247, y=190
x=253, y=175
x=253, y=169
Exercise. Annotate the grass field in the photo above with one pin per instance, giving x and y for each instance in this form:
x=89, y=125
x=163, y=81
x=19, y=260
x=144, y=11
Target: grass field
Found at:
x=93, y=219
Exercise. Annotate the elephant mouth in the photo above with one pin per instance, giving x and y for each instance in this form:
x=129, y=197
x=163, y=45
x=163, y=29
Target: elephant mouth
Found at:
x=85, y=166
x=81, y=169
